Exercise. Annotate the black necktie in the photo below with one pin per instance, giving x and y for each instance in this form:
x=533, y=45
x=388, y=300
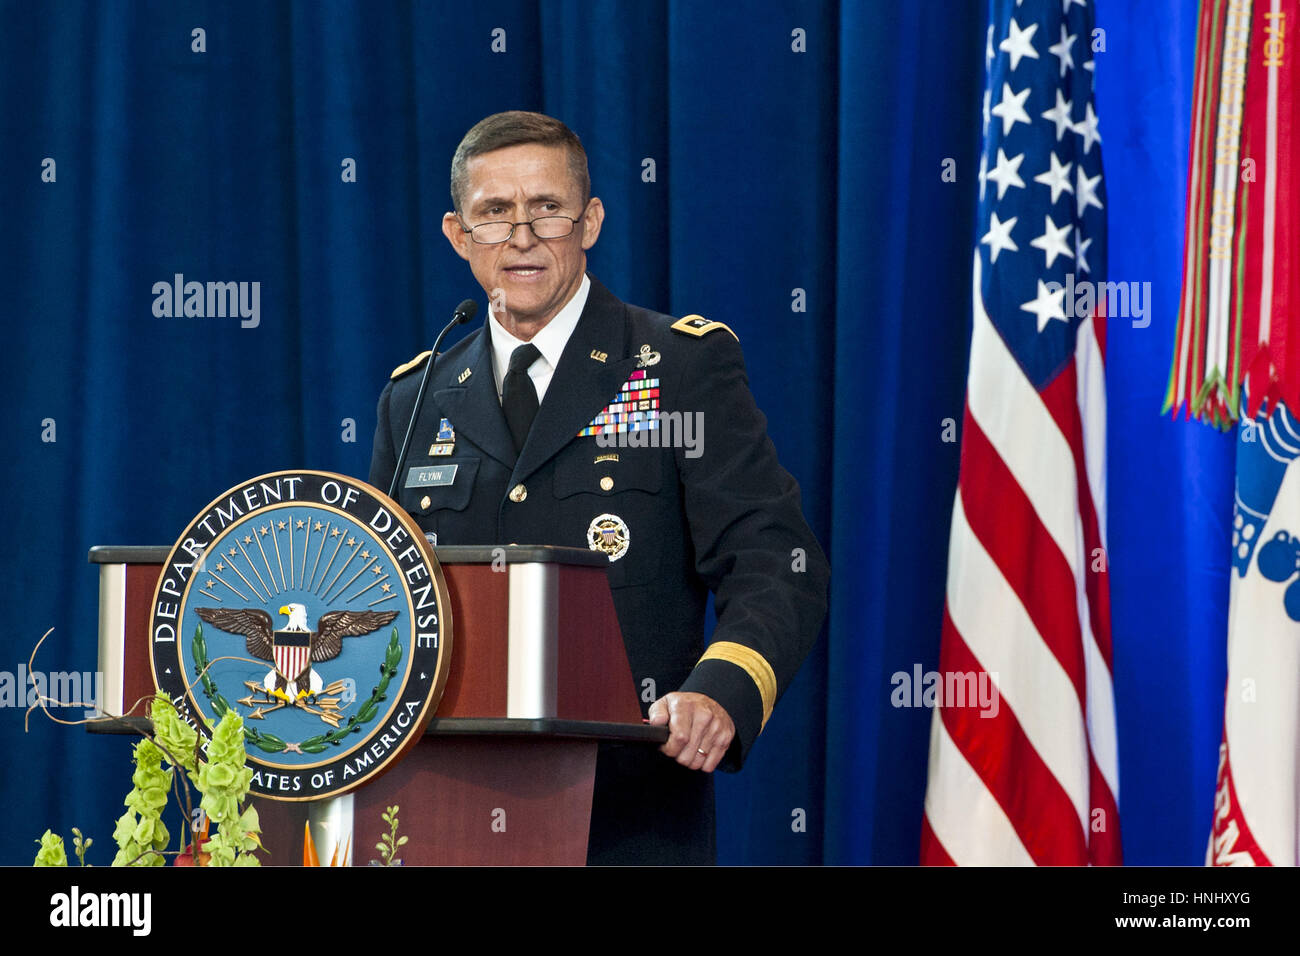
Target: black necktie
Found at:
x=518, y=397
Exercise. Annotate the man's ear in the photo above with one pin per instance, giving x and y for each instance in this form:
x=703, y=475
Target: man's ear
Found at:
x=591, y=220
x=456, y=234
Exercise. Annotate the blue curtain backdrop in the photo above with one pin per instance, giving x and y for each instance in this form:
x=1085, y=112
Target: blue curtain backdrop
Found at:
x=777, y=167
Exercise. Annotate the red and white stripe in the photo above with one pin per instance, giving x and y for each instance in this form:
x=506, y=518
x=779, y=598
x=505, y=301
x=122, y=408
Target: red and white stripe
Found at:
x=1028, y=604
x=290, y=661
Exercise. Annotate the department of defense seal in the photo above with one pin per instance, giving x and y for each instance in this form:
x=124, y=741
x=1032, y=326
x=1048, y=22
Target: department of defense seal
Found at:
x=311, y=605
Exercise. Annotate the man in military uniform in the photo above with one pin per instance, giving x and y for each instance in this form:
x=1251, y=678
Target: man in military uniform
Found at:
x=576, y=419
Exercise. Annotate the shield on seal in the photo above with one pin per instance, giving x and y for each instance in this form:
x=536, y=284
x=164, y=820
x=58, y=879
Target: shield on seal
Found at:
x=292, y=652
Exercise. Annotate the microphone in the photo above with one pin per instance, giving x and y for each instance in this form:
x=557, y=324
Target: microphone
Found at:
x=465, y=312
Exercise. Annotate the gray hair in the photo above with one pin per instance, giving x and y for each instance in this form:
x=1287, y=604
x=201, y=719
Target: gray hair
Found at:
x=515, y=128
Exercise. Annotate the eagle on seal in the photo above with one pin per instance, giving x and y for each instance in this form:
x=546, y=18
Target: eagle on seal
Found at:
x=323, y=644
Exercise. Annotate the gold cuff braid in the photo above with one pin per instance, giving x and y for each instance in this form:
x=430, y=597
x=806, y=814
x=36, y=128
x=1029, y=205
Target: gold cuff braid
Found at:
x=752, y=663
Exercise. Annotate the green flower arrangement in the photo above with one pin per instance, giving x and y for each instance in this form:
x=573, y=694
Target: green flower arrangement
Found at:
x=222, y=779
x=51, y=852
x=140, y=833
x=176, y=738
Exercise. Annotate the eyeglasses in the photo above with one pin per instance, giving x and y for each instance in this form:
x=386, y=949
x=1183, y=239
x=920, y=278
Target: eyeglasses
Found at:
x=547, y=227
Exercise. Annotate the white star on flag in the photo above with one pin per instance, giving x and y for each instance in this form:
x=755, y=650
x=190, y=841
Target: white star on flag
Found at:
x=1087, y=194
x=999, y=237
x=1011, y=109
x=1005, y=173
x=1060, y=115
x=1057, y=178
x=1047, y=306
x=1087, y=128
x=1062, y=50
x=1052, y=241
x=1081, y=251
x=1019, y=43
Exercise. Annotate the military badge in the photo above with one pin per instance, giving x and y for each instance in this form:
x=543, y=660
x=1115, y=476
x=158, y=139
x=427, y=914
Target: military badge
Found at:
x=609, y=535
x=312, y=606
x=646, y=357
x=445, y=431
x=634, y=408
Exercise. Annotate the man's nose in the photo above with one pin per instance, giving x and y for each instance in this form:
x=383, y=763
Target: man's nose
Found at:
x=523, y=237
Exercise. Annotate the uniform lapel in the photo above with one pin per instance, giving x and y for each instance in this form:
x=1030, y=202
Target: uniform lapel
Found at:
x=473, y=408
x=582, y=385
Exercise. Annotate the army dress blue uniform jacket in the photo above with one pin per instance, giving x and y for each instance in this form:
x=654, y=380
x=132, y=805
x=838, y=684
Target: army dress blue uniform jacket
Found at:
x=724, y=518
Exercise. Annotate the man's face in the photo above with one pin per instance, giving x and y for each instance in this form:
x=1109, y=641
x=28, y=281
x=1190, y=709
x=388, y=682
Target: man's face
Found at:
x=532, y=278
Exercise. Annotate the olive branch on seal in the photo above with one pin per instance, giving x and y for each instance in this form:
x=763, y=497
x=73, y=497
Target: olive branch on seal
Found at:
x=368, y=710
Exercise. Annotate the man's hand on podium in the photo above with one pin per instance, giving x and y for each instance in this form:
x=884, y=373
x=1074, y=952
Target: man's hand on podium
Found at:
x=700, y=729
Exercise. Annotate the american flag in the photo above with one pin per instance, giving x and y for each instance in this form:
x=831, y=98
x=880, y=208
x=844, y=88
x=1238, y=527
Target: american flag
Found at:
x=1035, y=779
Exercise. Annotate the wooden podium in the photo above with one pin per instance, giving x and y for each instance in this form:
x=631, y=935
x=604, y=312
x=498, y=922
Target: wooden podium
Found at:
x=504, y=775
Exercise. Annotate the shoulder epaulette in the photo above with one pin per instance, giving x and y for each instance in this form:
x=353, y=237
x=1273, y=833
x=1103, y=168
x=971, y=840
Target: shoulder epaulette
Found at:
x=414, y=363
x=698, y=325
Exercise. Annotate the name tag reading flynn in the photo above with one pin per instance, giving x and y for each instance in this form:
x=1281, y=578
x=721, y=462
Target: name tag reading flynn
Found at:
x=429, y=476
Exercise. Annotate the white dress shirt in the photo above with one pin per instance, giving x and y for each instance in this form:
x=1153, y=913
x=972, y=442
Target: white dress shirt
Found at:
x=550, y=341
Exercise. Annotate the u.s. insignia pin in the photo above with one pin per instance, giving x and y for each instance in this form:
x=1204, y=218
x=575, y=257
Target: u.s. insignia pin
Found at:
x=608, y=534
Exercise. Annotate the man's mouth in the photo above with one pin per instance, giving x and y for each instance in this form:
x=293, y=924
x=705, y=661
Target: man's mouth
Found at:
x=524, y=272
